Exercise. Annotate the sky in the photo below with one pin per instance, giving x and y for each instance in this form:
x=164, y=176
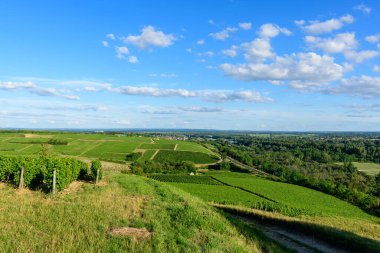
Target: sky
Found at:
x=226, y=64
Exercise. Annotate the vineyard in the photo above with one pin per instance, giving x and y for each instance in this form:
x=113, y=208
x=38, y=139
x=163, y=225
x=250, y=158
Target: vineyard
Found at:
x=196, y=157
x=294, y=196
x=184, y=179
x=37, y=172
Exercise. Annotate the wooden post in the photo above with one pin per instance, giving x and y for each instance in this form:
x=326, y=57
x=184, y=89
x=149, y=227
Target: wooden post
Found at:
x=54, y=180
x=97, y=176
x=21, y=183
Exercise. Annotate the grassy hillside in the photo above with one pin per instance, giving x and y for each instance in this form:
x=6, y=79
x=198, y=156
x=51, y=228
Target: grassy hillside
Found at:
x=80, y=218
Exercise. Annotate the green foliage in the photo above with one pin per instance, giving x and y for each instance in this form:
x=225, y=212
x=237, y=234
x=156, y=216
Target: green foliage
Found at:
x=184, y=179
x=38, y=171
x=132, y=157
x=195, y=157
x=95, y=166
x=166, y=167
x=57, y=142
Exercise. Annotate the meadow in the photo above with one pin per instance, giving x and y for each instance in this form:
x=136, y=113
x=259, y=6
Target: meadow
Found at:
x=82, y=218
x=196, y=157
x=369, y=168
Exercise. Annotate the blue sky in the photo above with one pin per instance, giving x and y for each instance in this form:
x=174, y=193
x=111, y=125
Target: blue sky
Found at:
x=242, y=65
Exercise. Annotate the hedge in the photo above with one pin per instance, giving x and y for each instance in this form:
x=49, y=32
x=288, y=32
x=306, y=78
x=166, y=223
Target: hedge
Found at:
x=38, y=171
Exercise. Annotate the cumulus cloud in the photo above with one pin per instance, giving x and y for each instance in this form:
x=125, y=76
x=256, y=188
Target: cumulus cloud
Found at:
x=224, y=34
x=376, y=68
x=373, y=38
x=320, y=27
x=121, y=52
x=257, y=50
x=245, y=26
x=150, y=37
x=362, y=86
x=272, y=30
x=230, y=52
x=111, y=36
x=344, y=43
x=340, y=43
x=360, y=56
x=363, y=8
x=35, y=89
x=307, y=68
x=207, y=54
x=133, y=59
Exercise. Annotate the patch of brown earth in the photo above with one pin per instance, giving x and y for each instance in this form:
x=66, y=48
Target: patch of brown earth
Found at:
x=138, y=233
x=38, y=136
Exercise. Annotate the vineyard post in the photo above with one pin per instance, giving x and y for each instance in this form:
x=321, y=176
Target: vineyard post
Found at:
x=97, y=176
x=54, y=180
x=21, y=183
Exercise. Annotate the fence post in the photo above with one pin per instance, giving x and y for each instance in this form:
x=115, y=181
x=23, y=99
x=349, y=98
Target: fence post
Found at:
x=54, y=180
x=21, y=183
x=97, y=176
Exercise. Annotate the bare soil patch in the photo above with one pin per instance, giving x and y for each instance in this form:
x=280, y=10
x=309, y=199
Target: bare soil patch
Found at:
x=38, y=136
x=138, y=233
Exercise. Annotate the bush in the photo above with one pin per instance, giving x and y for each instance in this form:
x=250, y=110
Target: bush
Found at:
x=132, y=157
x=95, y=166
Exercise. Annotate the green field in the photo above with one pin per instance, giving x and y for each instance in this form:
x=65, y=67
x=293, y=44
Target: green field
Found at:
x=294, y=196
x=80, y=220
x=147, y=155
x=220, y=194
x=369, y=168
x=196, y=157
x=184, y=179
x=111, y=147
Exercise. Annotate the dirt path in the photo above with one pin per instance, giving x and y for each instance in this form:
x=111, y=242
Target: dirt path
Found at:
x=176, y=146
x=91, y=148
x=289, y=238
x=154, y=155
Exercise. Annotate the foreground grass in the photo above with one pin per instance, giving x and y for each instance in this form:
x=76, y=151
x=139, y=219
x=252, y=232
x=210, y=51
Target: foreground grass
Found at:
x=78, y=220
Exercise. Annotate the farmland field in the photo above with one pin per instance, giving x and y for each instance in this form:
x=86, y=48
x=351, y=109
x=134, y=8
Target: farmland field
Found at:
x=111, y=147
x=369, y=168
x=196, y=157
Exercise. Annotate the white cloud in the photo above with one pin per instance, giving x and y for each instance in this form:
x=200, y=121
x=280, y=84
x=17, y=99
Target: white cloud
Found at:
x=319, y=27
x=207, y=54
x=35, y=89
x=200, y=109
x=363, y=8
x=271, y=31
x=373, y=38
x=200, y=42
x=133, y=59
x=224, y=34
x=215, y=95
x=150, y=37
x=230, y=52
x=376, y=68
x=308, y=69
x=245, y=26
x=211, y=22
x=164, y=75
x=121, y=52
x=105, y=43
x=360, y=56
x=363, y=86
x=344, y=43
x=258, y=50
x=111, y=36
x=340, y=43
